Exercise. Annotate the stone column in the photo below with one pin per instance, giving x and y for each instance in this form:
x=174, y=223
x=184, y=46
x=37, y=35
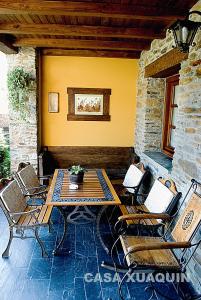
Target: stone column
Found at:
x=24, y=137
x=149, y=114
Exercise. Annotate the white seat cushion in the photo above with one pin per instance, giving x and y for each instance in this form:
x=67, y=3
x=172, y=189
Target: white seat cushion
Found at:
x=159, y=198
x=132, y=178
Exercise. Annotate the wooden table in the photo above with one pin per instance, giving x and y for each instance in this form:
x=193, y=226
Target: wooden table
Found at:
x=96, y=190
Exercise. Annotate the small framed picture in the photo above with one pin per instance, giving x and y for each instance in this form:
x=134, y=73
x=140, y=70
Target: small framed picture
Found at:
x=53, y=102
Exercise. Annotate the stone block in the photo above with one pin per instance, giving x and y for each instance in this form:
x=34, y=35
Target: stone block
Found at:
x=190, y=130
x=188, y=167
x=198, y=72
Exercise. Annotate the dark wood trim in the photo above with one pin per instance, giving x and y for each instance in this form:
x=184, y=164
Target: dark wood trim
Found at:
x=93, y=9
x=87, y=118
x=171, y=82
x=82, y=44
x=6, y=45
x=76, y=30
x=160, y=67
x=97, y=91
x=91, y=53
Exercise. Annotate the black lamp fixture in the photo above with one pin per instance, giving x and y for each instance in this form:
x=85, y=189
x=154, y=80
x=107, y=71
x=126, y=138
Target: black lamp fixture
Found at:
x=184, y=32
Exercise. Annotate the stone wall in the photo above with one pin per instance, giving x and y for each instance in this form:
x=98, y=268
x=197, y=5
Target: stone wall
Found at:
x=187, y=157
x=149, y=111
x=150, y=98
x=24, y=133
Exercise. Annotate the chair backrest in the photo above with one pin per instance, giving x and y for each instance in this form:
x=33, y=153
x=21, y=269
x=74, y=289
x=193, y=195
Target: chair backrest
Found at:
x=28, y=177
x=162, y=196
x=189, y=219
x=134, y=177
x=12, y=200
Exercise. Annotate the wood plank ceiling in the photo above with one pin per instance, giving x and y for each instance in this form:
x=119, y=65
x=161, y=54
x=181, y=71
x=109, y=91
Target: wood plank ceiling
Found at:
x=117, y=28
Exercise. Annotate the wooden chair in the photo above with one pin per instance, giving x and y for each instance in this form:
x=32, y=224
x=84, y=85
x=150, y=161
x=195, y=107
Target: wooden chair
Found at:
x=154, y=254
x=29, y=182
x=22, y=217
x=128, y=191
x=157, y=208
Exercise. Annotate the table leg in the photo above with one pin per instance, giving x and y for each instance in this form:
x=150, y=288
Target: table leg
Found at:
x=64, y=216
x=98, y=219
x=83, y=213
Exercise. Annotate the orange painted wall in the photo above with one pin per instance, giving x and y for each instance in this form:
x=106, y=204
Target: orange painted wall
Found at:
x=61, y=72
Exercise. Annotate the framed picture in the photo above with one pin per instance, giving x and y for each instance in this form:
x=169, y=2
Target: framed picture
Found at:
x=88, y=104
x=53, y=102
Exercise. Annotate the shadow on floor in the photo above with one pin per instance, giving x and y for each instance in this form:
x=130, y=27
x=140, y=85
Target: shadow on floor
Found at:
x=74, y=275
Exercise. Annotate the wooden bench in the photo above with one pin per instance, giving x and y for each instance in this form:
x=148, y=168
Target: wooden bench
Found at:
x=22, y=217
x=43, y=213
x=115, y=160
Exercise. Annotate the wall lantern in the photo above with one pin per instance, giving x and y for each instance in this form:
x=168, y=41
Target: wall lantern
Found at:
x=184, y=32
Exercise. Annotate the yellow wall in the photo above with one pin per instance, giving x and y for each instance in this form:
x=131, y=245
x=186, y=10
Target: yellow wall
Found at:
x=60, y=72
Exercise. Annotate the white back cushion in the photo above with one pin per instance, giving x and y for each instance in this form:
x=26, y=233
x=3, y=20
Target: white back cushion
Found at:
x=29, y=177
x=132, y=177
x=159, y=198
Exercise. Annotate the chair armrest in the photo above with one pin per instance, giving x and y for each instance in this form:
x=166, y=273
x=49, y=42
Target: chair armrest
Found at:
x=154, y=246
x=25, y=212
x=129, y=187
x=45, y=177
x=117, y=181
x=36, y=194
x=37, y=187
x=143, y=216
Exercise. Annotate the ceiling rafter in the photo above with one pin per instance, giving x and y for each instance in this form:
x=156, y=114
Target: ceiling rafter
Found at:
x=86, y=27
x=90, y=53
x=82, y=44
x=76, y=30
x=92, y=9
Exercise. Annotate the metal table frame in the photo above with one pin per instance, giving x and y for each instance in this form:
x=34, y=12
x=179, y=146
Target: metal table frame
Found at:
x=81, y=211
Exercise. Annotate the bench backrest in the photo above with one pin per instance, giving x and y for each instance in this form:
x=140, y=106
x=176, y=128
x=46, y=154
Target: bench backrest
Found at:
x=28, y=177
x=189, y=220
x=12, y=200
x=134, y=177
x=162, y=196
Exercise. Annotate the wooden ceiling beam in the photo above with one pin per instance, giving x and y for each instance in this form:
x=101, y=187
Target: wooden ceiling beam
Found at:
x=90, y=53
x=6, y=45
x=75, y=30
x=81, y=44
x=92, y=9
x=164, y=63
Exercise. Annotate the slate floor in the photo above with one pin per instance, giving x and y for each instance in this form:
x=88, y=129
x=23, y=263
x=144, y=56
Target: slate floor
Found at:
x=28, y=276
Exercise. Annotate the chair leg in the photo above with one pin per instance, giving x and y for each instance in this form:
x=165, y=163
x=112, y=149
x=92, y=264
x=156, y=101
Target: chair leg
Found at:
x=44, y=252
x=50, y=226
x=6, y=252
x=116, y=268
x=112, y=213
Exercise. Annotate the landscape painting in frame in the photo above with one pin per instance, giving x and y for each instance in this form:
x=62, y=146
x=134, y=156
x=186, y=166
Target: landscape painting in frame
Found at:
x=88, y=104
